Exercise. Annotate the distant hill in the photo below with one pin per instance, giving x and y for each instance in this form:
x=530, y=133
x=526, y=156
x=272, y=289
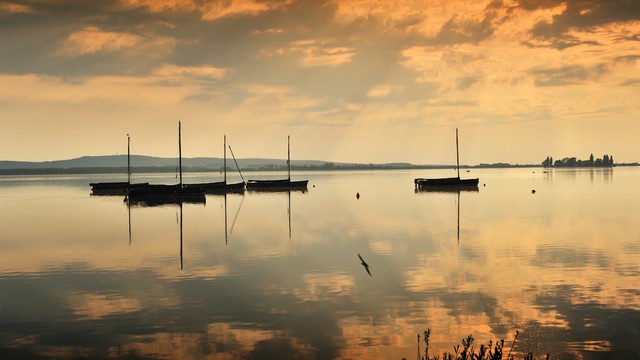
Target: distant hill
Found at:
x=142, y=163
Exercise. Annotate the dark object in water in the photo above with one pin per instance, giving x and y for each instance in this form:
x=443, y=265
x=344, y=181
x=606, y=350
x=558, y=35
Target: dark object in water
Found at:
x=533, y=191
x=117, y=187
x=283, y=184
x=452, y=181
x=366, y=266
x=358, y=195
x=114, y=188
x=221, y=187
x=168, y=193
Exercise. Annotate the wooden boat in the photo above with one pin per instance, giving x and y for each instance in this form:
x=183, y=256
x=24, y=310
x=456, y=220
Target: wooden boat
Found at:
x=117, y=187
x=168, y=193
x=220, y=187
x=450, y=181
x=281, y=184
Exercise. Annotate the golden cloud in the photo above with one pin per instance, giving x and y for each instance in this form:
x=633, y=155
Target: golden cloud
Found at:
x=92, y=40
x=218, y=10
x=15, y=8
x=163, y=5
x=198, y=72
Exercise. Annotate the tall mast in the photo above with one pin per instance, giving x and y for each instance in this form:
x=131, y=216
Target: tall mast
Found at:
x=225, y=159
x=128, y=159
x=180, y=150
x=457, y=155
x=289, y=157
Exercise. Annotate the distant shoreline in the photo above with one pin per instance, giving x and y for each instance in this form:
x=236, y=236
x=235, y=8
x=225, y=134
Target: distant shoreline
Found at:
x=358, y=167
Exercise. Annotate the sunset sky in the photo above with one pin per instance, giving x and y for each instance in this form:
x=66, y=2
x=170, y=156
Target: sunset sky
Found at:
x=350, y=81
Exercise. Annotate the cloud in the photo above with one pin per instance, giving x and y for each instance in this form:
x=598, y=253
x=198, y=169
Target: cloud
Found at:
x=568, y=74
x=15, y=8
x=383, y=90
x=464, y=30
x=453, y=22
x=92, y=40
x=163, y=5
x=564, y=29
x=215, y=10
x=315, y=53
x=190, y=72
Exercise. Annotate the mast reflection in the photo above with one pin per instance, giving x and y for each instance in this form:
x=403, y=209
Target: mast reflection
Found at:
x=450, y=190
x=227, y=231
x=165, y=202
x=280, y=191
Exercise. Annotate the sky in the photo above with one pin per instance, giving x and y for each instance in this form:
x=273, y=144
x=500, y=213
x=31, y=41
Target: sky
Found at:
x=350, y=81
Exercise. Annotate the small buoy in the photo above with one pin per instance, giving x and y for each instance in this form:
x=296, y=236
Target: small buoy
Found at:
x=533, y=191
x=358, y=195
x=484, y=184
x=314, y=185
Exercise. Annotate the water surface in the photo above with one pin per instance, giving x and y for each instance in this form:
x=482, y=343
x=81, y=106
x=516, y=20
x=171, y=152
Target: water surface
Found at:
x=279, y=276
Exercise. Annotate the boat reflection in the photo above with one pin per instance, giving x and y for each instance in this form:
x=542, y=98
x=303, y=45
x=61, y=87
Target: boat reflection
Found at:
x=165, y=201
x=280, y=191
x=227, y=231
x=447, y=189
x=450, y=190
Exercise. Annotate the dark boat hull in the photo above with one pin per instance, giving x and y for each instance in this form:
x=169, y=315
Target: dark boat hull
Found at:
x=218, y=187
x=447, y=189
x=445, y=182
x=277, y=185
x=114, y=188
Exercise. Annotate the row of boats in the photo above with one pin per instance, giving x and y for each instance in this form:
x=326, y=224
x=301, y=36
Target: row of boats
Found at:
x=195, y=191
x=192, y=191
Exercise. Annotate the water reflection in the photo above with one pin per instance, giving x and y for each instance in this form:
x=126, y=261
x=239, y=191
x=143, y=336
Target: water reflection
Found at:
x=561, y=266
x=450, y=190
x=165, y=201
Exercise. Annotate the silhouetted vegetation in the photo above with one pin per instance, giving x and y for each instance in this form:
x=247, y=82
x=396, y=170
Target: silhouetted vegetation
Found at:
x=605, y=161
x=467, y=350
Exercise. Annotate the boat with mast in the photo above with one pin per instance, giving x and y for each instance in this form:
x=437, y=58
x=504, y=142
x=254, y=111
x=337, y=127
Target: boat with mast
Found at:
x=117, y=187
x=281, y=184
x=168, y=193
x=220, y=187
x=447, y=182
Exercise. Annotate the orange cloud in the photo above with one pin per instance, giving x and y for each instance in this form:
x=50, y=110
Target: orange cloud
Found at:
x=218, y=10
x=162, y=5
x=15, y=8
x=92, y=40
x=317, y=53
x=197, y=72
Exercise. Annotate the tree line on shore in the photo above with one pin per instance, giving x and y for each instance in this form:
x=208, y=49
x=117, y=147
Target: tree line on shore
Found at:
x=605, y=161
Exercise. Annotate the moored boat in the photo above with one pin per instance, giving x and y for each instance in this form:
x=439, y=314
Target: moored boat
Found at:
x=117, y=187
x=168, y=193
x=279, y=184
x=220, y=186
x=449, y=181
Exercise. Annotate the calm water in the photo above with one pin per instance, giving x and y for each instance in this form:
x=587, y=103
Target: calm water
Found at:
x=86, y=276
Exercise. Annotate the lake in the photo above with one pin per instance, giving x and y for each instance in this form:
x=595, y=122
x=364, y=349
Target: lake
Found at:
x=277, y=275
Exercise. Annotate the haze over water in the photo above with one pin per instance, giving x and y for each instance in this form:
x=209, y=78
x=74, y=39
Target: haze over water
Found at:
x=88, y=276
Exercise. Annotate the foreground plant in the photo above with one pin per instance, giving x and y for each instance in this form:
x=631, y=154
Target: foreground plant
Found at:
x=468, y=352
